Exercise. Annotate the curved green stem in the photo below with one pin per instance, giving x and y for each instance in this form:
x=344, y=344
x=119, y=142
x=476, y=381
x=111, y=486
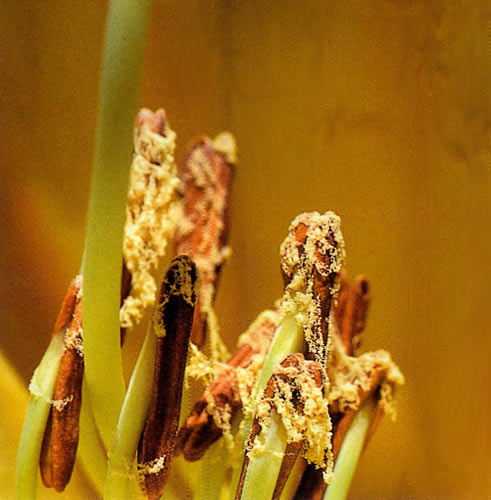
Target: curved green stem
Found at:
x=131, y=421
x=212, y=473
x=350, y=452
x=263, y=469
x=41, y=389
x=125, y=30
x=90, y=448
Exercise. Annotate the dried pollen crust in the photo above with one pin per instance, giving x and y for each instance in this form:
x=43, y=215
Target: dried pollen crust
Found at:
x=349, y=377
x=298, y=400
x=202, y=367
x=207, y=219
x=352, y=376
x=151, y=215
x=322, y=251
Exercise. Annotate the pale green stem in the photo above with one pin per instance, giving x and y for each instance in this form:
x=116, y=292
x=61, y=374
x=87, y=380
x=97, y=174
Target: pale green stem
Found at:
x=350, y=452
x=123, y=52
x=212, y=472
x=41, y=389
x=288, y=339
x=90, y=448
x=121, y=463
x=264, y=466
x=214, y=467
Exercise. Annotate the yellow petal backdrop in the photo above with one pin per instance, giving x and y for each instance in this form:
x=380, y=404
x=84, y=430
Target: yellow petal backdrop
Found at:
x=378, y=110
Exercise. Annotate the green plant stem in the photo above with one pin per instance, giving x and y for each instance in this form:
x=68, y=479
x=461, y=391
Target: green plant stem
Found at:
x=212, y=472
x=214, y=467
x=41, y=388
x=350, y=452
x=90, y=448
x=121, y=460
x=123, y=52
x=288, y=339
x=264, y=467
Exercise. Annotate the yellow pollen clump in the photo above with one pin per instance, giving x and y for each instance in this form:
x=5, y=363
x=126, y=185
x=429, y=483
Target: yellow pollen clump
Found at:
x=350, y=376
x=151, y=216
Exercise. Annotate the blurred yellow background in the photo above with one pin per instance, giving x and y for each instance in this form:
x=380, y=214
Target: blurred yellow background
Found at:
x=377, y=110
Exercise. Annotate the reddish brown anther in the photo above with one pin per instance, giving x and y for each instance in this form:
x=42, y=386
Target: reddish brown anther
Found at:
x=355, y=314
x=314, y=249
x=60, y=441
x=207, y=178
x=200, y=429
x=342, y=298
x=65, y=315
x=350, y=314
x=172, y=324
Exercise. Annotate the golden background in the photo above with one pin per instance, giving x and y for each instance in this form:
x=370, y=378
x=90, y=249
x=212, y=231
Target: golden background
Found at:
x=377, y=110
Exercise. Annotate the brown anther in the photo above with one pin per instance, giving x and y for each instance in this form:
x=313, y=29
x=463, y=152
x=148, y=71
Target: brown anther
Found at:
x=200, y=430
x=350, y=315
x=314, y=252
x=355, y=314
x=172, y=323
x=67, y=307
x=125, y=291
x=287, y=372
x=297, y=245
x=207, y=178
x=292, y=451
x=340, y=307
x=60, y=441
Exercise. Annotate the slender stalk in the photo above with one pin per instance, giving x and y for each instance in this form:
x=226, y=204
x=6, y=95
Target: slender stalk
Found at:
x=125, y=30
x=41, y=389
x=212, y=472
x=264, y=467
x=350, y=452
x=131, y=421
x=90, y=449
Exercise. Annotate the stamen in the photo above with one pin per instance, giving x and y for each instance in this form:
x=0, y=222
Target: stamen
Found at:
x=207, y=179
x=171, y=323
x=60, y=441
x=152, y=210
x=207, y=422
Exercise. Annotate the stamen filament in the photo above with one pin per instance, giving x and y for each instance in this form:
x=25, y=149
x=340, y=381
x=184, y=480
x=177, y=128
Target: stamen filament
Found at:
x=350, y=452
x=90, y=449
x=131, y=421
x=264, y=467
x=123, y=54
x=41, y=391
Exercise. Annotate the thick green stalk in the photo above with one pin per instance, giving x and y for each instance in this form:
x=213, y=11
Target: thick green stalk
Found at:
x=288, y=339
x=213, y=467
x=121, y=463
x=41, y=389
x=90, y=449
x=350, y=452
x=125, y=30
